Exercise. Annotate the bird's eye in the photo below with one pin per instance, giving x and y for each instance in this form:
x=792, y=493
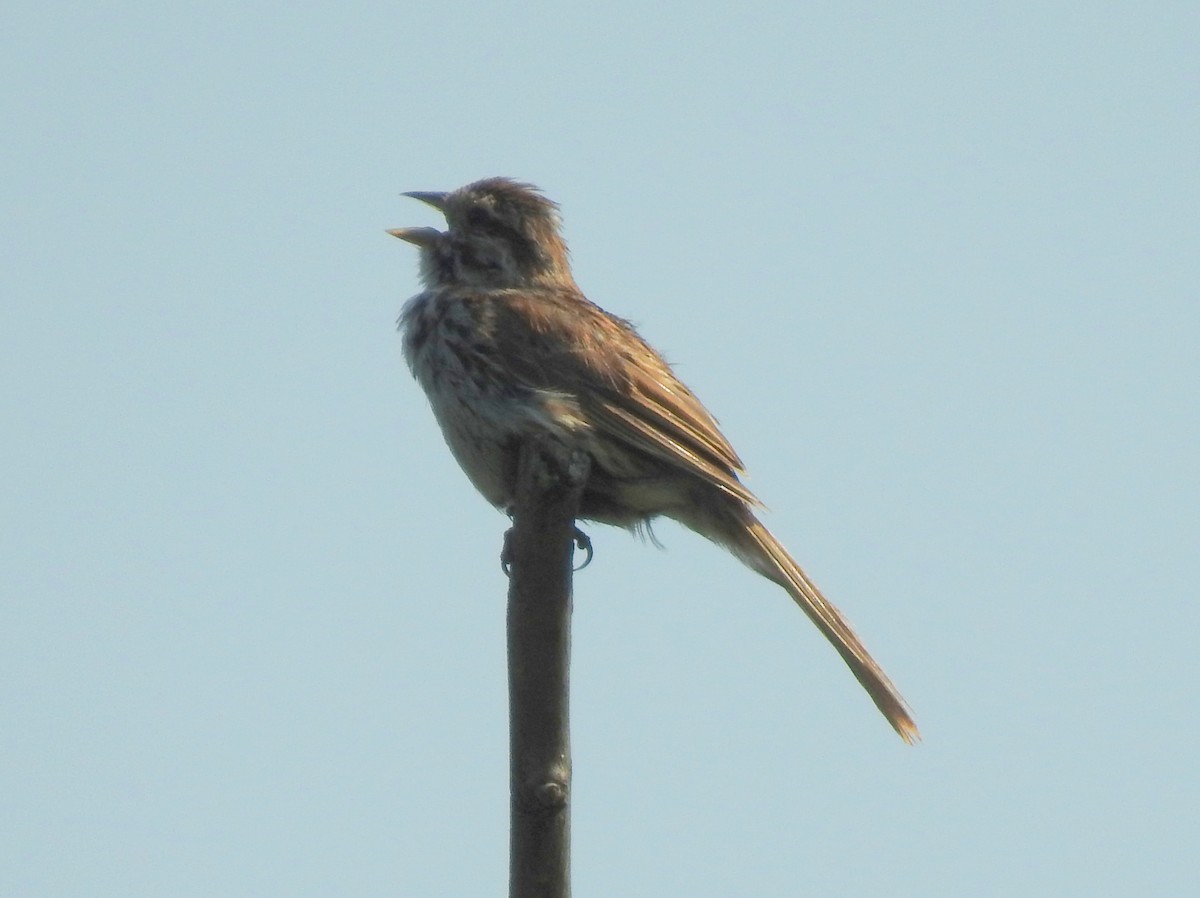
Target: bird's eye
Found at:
x=477, y=218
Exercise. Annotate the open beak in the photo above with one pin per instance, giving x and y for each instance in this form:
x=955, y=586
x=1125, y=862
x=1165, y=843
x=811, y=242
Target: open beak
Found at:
x=423, y=236
x=437, y=200
x=419, y=236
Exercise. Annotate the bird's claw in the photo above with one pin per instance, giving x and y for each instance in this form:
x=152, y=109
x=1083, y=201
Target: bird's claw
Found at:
x=580, y=540
x=506, y=552
x=584, y=542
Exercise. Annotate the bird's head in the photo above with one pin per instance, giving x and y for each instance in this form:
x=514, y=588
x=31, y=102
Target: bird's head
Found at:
x=500, y=233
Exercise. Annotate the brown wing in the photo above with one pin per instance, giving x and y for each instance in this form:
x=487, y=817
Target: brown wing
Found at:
x=626, y=388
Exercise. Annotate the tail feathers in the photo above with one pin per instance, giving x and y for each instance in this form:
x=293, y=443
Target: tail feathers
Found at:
x=736, y=528
x=763, y=552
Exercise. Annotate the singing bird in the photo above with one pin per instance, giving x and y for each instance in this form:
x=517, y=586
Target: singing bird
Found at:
x=506, y=346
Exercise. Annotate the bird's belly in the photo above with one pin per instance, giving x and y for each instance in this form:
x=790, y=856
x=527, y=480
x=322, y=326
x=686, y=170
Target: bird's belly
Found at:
x=479, y=416
x=484, y=414
x=480, y=443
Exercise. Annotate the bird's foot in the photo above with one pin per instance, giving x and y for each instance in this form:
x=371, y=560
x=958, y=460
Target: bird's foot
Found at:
x=584, y=542
x=506, y=552
x=580, y=539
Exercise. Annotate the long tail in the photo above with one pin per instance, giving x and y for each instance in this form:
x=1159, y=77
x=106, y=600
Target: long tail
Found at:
x=743, y=534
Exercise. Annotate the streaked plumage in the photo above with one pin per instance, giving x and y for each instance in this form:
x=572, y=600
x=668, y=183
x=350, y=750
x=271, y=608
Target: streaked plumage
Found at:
x=505, y=344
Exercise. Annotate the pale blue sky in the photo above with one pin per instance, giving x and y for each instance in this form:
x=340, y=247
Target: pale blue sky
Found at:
x=933, y=266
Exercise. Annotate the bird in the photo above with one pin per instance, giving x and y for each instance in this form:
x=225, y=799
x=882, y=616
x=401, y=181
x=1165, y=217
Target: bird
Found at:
x=507, y=347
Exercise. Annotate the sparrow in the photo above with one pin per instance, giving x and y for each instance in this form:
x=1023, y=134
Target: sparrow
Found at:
x=507, y=347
